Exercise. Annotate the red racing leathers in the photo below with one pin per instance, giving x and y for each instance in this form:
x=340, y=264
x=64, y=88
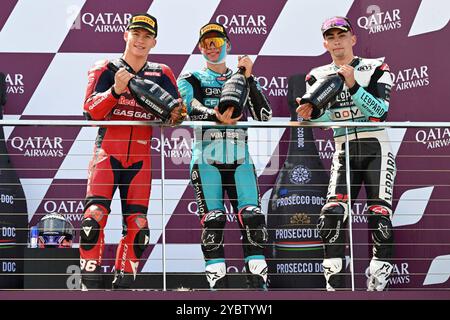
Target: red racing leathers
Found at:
x=121, y=159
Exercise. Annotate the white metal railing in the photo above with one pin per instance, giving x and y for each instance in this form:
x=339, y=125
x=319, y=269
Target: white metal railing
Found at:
x=275, y=123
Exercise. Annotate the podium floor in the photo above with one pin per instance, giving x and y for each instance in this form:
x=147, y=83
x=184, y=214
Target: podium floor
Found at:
x=223, y=295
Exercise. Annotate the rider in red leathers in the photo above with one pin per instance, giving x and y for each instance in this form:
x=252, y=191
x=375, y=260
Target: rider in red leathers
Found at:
x=121, y=155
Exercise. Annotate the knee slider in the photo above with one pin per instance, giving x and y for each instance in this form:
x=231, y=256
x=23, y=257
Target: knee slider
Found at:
x=380, y=224
x=213, y=225
x=253, y=222
x=141, y=242
x=89, y=234
x=330, y=221
x=137, y=226
x=92, y=225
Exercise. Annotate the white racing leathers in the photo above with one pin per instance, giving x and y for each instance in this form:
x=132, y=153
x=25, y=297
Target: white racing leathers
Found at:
x=372, y=163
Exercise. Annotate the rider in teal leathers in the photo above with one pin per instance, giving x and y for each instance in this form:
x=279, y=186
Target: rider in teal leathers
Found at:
x=221, y=161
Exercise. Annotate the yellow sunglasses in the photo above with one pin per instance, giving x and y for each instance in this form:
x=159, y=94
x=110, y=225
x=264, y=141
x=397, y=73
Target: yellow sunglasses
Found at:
x=207, y=42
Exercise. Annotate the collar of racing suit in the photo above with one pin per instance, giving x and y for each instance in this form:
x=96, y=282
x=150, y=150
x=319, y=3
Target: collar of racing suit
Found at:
x=356, y=60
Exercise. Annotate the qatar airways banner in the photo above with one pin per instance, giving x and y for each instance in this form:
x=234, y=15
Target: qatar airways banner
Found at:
x=47, y=47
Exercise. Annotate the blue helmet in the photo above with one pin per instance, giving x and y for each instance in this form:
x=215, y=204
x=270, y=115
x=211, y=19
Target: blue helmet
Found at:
x=55, y=231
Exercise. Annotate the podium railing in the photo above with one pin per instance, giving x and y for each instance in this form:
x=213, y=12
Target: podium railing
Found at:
x=442, y=135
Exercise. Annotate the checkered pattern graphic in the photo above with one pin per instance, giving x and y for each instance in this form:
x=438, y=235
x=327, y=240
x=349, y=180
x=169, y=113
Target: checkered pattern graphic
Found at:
x=47, y=47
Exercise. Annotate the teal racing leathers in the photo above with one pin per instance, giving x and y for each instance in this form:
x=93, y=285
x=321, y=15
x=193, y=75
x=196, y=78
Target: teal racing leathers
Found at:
x=221, y=163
